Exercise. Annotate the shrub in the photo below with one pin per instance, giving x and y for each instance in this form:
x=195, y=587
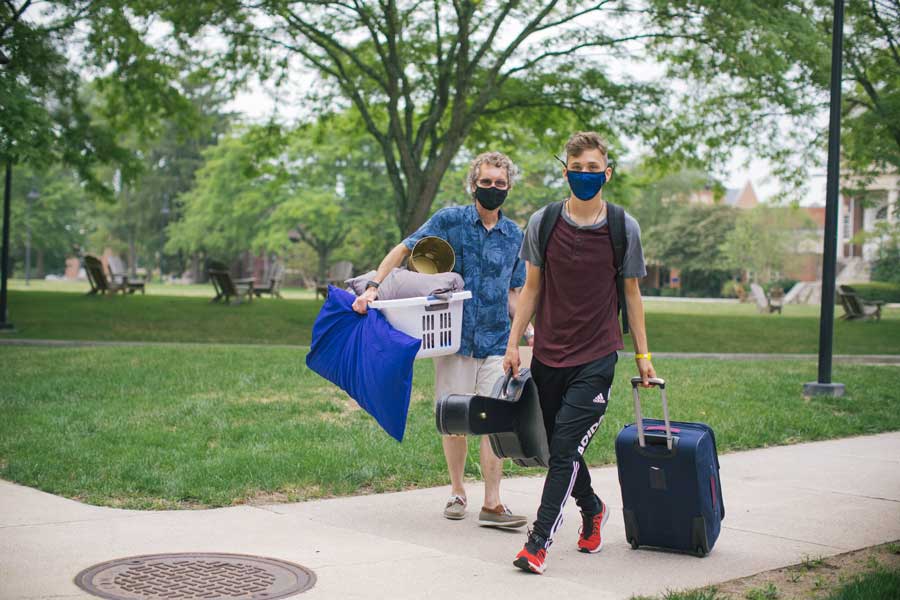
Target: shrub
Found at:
x=878, y=290
x=784, y=284
x=703, y=284
x=732, y=289
x=670, y=292
x=886, y=267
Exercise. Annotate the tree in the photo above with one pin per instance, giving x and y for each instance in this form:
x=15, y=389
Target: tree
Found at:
x=58, y=218
x=657, y=191
x=763, y=239
x=422, y=75
x=885, y=235
x=336, y=193
x=871, y=107
x=319, y=179
x=44, y=117
x=134, y=221
x=757, y=73
x=691, y=239
x=225, y=212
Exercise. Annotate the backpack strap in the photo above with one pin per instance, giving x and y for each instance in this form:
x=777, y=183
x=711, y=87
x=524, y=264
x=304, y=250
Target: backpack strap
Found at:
x=548, y=221
x=616, y=219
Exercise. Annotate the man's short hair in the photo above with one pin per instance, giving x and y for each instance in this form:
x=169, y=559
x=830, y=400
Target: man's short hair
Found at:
x=580, y=141
x=494, y=159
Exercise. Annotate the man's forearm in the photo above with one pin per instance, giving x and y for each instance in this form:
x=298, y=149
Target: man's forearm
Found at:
x=636, y=318
x=391, y=261
x=526, y=304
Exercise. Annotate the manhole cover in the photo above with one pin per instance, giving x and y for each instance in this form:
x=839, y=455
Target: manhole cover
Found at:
x=195, y=576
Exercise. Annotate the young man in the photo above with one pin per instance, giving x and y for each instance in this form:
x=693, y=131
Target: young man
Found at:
x=486, y=245
x=572, y=286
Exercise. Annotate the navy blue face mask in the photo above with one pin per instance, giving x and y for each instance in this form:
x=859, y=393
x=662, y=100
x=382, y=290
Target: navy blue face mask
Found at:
x=584, y=185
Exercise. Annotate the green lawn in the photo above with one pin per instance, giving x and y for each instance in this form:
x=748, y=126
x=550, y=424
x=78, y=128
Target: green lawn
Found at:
x=53, y=315
x=672, y=326
x=880, y=585
x=200, y=290
x=167, y=427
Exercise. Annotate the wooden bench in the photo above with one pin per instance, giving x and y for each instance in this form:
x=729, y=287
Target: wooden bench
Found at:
x=226, y=287
x=857, y=308
x=93, y=266
x=273, y=282
x=764, y=303
x=339, y=273
x=118, y=275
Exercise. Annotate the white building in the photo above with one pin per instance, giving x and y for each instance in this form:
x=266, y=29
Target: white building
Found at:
x=860, y=213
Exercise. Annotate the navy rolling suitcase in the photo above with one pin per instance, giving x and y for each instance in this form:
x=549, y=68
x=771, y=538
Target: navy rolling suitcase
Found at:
x=669, y=474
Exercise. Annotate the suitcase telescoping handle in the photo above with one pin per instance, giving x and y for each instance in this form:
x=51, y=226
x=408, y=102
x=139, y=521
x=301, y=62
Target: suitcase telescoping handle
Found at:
x=661, y=384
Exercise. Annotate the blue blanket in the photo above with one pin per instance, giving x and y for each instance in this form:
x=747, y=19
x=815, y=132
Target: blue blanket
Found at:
x=366, y=357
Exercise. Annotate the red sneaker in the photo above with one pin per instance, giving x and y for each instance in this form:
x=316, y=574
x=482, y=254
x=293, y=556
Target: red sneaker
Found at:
x=590, y=540
x=532, y=557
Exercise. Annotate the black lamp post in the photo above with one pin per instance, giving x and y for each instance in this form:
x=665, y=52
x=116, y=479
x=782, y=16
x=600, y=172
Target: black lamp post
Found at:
x=4, y=255
x=824, y=386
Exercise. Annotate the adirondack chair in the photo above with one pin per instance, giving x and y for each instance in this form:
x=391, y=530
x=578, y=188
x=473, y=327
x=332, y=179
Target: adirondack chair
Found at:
x=776, y=297
x=856, y=307
x=118, y=275
x=97, y=277
x=764, y=303
x=337, y=275
x=273, y=282
x=226, y=287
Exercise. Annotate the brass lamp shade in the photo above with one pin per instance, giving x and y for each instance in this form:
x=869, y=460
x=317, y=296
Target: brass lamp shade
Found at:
x=432, y=255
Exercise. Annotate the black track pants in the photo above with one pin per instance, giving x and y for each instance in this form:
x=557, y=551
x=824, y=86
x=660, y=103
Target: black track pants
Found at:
x=573, y=400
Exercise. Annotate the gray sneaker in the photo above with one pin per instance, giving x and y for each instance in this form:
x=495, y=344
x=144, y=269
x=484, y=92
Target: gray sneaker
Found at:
x=500, y=516
x=456, y=508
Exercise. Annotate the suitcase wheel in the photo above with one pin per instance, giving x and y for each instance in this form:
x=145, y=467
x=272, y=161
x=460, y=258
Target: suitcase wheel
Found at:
x=634, y=544
x=700, y=552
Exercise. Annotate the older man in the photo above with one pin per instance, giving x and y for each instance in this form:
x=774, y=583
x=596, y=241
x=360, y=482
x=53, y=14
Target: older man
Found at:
x=486, y=244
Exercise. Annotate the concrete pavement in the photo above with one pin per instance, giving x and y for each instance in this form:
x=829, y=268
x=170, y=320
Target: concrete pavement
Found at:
x=782, y=504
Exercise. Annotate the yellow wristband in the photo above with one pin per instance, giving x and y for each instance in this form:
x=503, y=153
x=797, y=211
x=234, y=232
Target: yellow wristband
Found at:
x=647, y=356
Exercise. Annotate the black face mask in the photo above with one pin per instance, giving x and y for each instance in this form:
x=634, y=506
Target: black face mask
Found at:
x=490, y=198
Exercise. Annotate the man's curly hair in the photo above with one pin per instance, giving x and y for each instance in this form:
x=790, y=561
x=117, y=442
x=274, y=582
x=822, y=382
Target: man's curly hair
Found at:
x=494, y=159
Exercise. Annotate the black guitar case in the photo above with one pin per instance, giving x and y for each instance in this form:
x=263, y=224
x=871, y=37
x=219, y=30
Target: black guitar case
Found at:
x=511, y=418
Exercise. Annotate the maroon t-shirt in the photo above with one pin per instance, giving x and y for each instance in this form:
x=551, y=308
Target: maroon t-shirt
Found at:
x=577, y=314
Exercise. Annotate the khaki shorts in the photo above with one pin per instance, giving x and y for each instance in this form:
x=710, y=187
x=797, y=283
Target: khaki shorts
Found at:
x=458, y=374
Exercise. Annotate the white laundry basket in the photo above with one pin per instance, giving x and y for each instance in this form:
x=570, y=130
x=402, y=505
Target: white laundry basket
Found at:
x=437, y=321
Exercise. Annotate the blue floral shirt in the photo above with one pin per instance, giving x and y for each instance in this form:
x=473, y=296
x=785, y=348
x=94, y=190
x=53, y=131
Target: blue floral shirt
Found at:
x=488, y=262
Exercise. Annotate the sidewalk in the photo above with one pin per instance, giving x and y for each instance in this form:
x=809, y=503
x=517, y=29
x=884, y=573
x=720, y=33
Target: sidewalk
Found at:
x=782, y=504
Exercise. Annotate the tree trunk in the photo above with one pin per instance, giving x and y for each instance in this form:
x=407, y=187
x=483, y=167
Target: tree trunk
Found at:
x=195, y=268
x=132, y=253
x=132, y=245
x=323, y=264
x=237, y=266
x=422, y=187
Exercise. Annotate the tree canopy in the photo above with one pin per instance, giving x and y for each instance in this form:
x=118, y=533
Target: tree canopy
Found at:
x=757, y=74
x=422, y=75
x=48, y=50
